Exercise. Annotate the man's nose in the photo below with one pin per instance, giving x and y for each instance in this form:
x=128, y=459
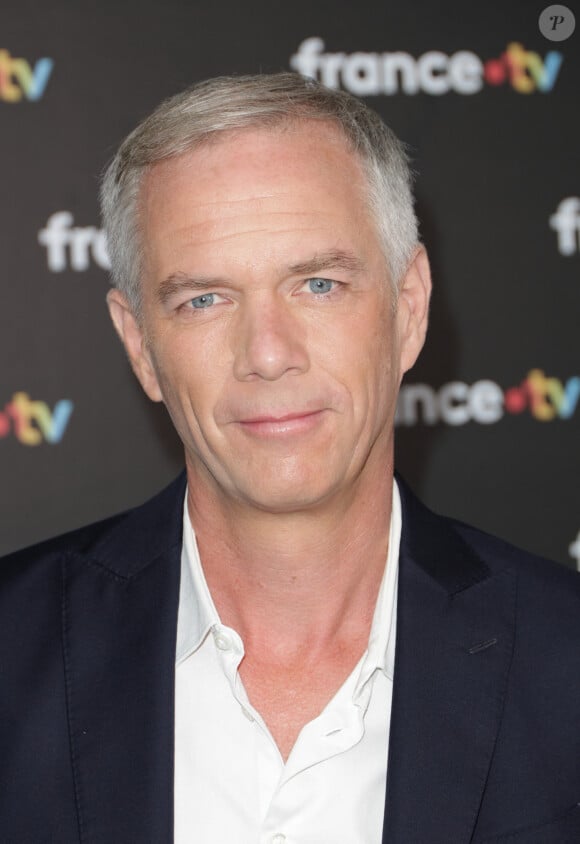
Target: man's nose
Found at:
x=269, y=341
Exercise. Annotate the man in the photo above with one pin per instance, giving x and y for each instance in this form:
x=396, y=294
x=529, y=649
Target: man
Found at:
x=284, y=645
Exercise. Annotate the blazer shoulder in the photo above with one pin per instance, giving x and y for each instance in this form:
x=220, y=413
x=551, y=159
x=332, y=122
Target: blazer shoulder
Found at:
x=122, y=543
x=499, y=554
x=458, y=555
x=548, y=593
x=50, y=551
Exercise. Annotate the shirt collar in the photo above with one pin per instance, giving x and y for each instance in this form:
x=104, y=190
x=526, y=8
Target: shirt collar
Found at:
x=197, y=613
x=380, y=654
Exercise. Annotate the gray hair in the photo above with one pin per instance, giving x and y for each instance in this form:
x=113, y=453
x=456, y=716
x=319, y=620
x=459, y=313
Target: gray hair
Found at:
x=191, y=118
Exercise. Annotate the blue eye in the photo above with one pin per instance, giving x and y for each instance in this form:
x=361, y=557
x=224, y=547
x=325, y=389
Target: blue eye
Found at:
x=320, y=285
x=203, y=301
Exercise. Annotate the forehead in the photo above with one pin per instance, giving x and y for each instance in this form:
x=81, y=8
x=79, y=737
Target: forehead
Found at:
x=241, y=163
x=256, y=192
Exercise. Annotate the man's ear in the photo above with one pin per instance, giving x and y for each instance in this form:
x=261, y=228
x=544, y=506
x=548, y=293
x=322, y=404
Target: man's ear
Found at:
x=413, y=309
x=133, y=339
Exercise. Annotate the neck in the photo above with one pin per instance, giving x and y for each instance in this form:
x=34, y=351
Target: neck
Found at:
x=300, y=579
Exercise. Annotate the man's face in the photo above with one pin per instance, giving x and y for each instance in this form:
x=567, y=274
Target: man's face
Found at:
x=268, y=325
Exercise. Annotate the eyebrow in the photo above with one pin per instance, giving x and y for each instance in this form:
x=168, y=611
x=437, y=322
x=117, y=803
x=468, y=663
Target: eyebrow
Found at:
x=332, y=259
x=178, y=282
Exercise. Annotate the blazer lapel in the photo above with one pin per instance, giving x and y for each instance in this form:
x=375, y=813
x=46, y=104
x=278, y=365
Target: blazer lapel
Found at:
x=120, y=601
x=454, y=642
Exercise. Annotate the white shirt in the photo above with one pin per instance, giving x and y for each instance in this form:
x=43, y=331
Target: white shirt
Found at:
x=231, y=783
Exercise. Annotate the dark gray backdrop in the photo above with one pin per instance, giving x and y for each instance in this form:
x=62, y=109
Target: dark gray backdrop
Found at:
x=493, y=168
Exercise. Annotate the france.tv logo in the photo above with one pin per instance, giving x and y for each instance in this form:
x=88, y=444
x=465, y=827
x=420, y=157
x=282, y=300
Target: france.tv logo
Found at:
x=434, y=72
x=33, y=422
x=20, y=80
x=544, y=397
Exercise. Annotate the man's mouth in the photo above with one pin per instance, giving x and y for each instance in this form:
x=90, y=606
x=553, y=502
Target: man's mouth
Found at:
x=282, y=424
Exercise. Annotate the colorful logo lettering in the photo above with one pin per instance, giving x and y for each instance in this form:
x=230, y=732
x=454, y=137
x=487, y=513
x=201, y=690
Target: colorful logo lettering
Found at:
x=18, y=79
x=545, y=398
x=524, y=70
x=434, y=72
x=456, y=403
x=32, y=422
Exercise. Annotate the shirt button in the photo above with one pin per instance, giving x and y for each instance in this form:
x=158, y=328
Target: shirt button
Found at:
x=278, y=838
x=223, y=642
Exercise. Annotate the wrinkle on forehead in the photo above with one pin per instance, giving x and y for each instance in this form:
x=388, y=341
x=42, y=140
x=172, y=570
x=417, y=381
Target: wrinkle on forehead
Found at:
x=235, y=202
x=307, y=189
x=217, y=222
x=248, y=219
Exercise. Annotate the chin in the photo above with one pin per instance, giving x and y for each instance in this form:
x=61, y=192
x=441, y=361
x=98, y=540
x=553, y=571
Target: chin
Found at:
x=287, y=498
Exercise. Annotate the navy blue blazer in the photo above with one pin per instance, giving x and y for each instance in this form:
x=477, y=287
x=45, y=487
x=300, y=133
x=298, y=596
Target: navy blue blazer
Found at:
x=485, y=729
